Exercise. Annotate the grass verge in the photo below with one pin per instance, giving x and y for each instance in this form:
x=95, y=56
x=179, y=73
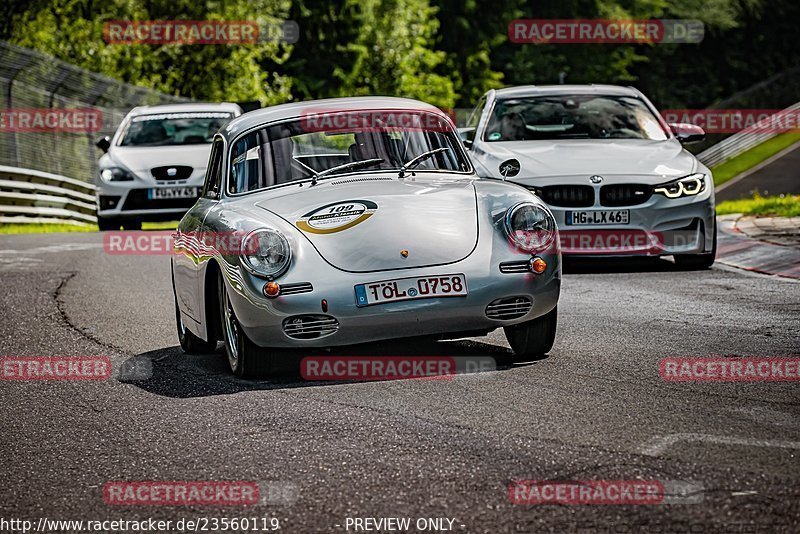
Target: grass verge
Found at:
x=734, y=167
x=60, y=228
x=779, y=206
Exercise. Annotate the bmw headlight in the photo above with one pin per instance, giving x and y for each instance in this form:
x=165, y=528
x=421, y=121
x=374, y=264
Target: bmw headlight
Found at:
x=266, y=253
x=530, y=226
x=116, y=174
x=687, y=186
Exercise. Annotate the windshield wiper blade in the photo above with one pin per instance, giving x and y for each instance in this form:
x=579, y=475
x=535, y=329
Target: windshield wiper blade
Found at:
x=351, y=165
x=419, y=159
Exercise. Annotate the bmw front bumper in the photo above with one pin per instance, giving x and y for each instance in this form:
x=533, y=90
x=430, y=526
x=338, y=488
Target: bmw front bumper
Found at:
x=660, y=226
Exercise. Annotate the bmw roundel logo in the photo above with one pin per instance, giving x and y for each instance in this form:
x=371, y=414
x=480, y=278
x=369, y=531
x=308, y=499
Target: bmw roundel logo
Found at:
x=596, y=179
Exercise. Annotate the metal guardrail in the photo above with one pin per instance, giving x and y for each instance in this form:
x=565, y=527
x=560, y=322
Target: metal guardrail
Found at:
x=739, y=143
x=31, y=79
x=29, y=196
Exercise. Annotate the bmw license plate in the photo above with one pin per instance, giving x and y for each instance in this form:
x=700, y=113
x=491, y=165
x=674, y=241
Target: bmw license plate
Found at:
x=421, y=287
x=598, y=217
x=162, y=193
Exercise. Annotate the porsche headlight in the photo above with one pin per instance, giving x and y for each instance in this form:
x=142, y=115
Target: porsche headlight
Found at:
x=530, y=226
x=266, y=253
x=688, y=186
x=116, y=174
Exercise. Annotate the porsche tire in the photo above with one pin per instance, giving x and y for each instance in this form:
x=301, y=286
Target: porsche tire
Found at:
x=245, y=358
x=531, y=340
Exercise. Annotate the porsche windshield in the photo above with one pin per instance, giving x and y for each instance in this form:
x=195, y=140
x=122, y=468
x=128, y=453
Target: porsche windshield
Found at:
x=184, y=128
x=572, y=117
x=321, y=145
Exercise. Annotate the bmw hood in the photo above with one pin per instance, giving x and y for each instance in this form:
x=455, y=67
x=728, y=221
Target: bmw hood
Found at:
x=544, y=159
x=141, y=159
x=364, y=224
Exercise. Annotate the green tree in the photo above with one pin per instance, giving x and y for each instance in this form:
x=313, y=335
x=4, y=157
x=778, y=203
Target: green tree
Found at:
x=394, y=53
x=72, y=30
x=361, y=47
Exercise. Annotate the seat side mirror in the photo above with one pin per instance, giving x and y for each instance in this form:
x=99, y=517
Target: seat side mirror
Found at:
x=103, y=143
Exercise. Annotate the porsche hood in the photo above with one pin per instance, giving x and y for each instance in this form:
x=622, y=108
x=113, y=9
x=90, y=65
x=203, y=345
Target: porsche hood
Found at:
x=364, y=224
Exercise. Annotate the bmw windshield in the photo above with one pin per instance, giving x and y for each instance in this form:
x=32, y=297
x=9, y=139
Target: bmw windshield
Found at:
x=573, y=117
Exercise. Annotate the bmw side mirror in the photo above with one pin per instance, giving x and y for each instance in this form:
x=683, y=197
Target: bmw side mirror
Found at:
x=687, y=133
x=509, y=168
x=103, y=143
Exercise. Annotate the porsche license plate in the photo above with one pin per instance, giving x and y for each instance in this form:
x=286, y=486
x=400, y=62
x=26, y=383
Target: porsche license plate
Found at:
x=172, y=192
x=574, y=218
x=420, y=287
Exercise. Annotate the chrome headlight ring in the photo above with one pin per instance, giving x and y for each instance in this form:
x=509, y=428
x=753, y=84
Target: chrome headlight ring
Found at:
x=266, y=253
x=530, y=226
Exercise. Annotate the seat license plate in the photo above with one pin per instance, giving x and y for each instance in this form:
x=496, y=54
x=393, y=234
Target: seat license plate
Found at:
x=420, y=287
x=172, y=192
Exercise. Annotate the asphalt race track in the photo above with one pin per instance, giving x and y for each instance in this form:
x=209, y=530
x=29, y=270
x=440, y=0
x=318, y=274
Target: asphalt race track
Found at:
x=596, y=408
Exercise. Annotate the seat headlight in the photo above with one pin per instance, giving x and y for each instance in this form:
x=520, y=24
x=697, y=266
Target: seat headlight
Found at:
x=266, y=253
x=116, y=174
x=530, y=226
x=688, y=186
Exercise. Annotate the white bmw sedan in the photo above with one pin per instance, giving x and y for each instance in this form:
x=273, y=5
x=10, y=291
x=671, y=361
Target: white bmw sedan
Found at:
x=153, y=167
x=615, y=175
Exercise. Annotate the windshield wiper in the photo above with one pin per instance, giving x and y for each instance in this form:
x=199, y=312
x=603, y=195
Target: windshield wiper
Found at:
x=351, y=165
x=419, y=159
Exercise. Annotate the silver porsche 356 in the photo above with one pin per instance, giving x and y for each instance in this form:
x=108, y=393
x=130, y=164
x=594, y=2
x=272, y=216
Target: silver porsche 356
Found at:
x=342, y=221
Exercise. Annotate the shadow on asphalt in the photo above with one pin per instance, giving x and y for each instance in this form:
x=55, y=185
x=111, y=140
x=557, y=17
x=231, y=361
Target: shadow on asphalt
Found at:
x=179, y=375
x=596, y=265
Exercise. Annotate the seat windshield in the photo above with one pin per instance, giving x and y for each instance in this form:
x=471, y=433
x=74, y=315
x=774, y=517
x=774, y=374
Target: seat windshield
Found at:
x=186, y=128
x=572, y=117
x=323, y=145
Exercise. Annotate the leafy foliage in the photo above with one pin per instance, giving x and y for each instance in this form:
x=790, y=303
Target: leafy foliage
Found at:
x=447, y=52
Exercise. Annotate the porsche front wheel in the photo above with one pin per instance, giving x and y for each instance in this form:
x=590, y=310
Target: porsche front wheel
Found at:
x=246, y=359
x=533, y=339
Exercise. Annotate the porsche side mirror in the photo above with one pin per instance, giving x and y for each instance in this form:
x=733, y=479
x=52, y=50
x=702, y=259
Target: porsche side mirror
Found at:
x=687, y=133
x=103, y=143
x=466, y=135
x=509, y=168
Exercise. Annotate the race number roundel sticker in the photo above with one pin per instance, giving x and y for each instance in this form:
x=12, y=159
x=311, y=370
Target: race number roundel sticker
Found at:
x=337, y=216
